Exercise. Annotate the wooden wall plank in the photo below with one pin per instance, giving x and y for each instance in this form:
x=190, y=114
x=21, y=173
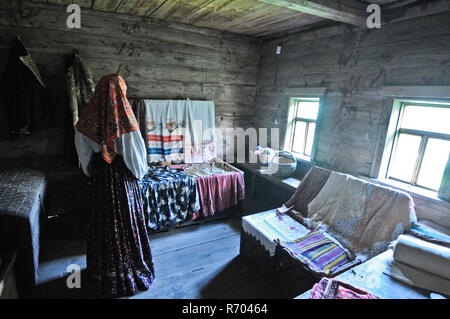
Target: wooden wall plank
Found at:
x=106, y=5
x=157, y=60
x=354, y=65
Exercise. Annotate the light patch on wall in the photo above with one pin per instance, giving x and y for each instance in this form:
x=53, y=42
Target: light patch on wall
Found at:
x=278, y=51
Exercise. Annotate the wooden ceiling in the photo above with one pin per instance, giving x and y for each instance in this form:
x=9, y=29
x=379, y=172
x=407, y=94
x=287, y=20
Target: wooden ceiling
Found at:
x=252, y=17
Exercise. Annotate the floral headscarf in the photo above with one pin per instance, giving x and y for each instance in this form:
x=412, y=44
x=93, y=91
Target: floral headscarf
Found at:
x=108, y=115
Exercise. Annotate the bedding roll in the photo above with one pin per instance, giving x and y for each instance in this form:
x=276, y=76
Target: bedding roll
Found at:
x=423, y=255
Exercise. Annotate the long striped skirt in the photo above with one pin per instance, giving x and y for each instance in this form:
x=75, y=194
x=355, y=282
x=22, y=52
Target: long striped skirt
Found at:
x=119, y=259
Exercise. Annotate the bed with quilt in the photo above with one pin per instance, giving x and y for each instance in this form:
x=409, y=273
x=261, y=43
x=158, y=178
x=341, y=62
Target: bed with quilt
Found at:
x=332, y=223
x=21, y=201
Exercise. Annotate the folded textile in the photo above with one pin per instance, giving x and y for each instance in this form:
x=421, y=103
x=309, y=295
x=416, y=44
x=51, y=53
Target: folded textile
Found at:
x=268, y=227
x=431, y=234
x=335, y=289
x=418, y=278
x=317, y=251
x=198, y=170
x=170, y=197
x=423, y=255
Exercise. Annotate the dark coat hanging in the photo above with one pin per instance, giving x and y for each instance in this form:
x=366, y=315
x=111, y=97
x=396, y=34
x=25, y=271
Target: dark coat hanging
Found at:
x=27, y=101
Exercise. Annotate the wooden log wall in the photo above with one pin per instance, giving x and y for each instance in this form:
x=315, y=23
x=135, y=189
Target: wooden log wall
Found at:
x=354, y=65
x=157, y=59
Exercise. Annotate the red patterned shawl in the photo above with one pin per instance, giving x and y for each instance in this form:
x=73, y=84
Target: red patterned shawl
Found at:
x=108, y=115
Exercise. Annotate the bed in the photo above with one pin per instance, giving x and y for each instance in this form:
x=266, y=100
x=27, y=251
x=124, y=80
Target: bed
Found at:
x=170, y=197
x=21, y=201
x=183, y=192
x=220, y=186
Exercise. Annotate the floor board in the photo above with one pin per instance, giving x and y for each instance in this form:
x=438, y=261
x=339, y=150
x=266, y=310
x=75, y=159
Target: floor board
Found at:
x=196, y=261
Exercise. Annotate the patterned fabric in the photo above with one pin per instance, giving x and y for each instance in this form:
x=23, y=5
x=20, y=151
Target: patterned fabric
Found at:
x=429, y=234
x=119, y=260
x=165, y=127
x=318, y=252
x=179, y=130
x=21, y=197
x=108, y=115
x=80, y=86
x=170, y=197
x=335, y=289
x=388, y=214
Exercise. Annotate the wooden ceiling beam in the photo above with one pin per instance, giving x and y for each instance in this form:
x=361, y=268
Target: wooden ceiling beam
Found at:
x=343, y=11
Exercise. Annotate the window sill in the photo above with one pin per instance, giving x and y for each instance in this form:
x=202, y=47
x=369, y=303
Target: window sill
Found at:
x=303, y=158
x=427, y=194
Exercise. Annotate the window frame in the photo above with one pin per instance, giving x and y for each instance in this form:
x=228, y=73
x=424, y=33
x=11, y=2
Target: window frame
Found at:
x=293, y=125
x=397, y=115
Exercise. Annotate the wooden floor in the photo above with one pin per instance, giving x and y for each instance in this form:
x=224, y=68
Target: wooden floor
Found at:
x=197, y=261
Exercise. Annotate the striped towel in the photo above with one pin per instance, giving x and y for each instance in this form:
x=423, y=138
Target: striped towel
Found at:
x=318, y=252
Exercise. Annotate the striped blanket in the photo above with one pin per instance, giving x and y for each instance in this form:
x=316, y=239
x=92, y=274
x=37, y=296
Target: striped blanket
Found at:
x=318, y=252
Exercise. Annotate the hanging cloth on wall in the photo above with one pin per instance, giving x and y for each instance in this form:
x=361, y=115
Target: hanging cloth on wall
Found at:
x=180, y=131
x=165, y=130
x=200, y=131
x=80, y=88
x=174, y=131
x=27, y=101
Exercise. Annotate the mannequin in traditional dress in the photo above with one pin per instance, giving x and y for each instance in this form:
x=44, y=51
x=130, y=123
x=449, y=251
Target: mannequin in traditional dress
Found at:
x=112, y=153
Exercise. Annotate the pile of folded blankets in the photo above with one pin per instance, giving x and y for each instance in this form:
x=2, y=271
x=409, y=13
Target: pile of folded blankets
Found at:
x=421, y=259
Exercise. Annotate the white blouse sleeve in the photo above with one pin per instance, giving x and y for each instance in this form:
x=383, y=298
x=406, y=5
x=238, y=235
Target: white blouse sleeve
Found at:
x=131, y=146
x=84, y=151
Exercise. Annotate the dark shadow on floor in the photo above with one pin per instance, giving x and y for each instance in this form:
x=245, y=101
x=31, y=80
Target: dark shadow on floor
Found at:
x=238, y=281
x=65, y=226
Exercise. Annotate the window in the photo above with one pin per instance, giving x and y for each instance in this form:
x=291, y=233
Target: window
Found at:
x=301, y=127
x=421, y=144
